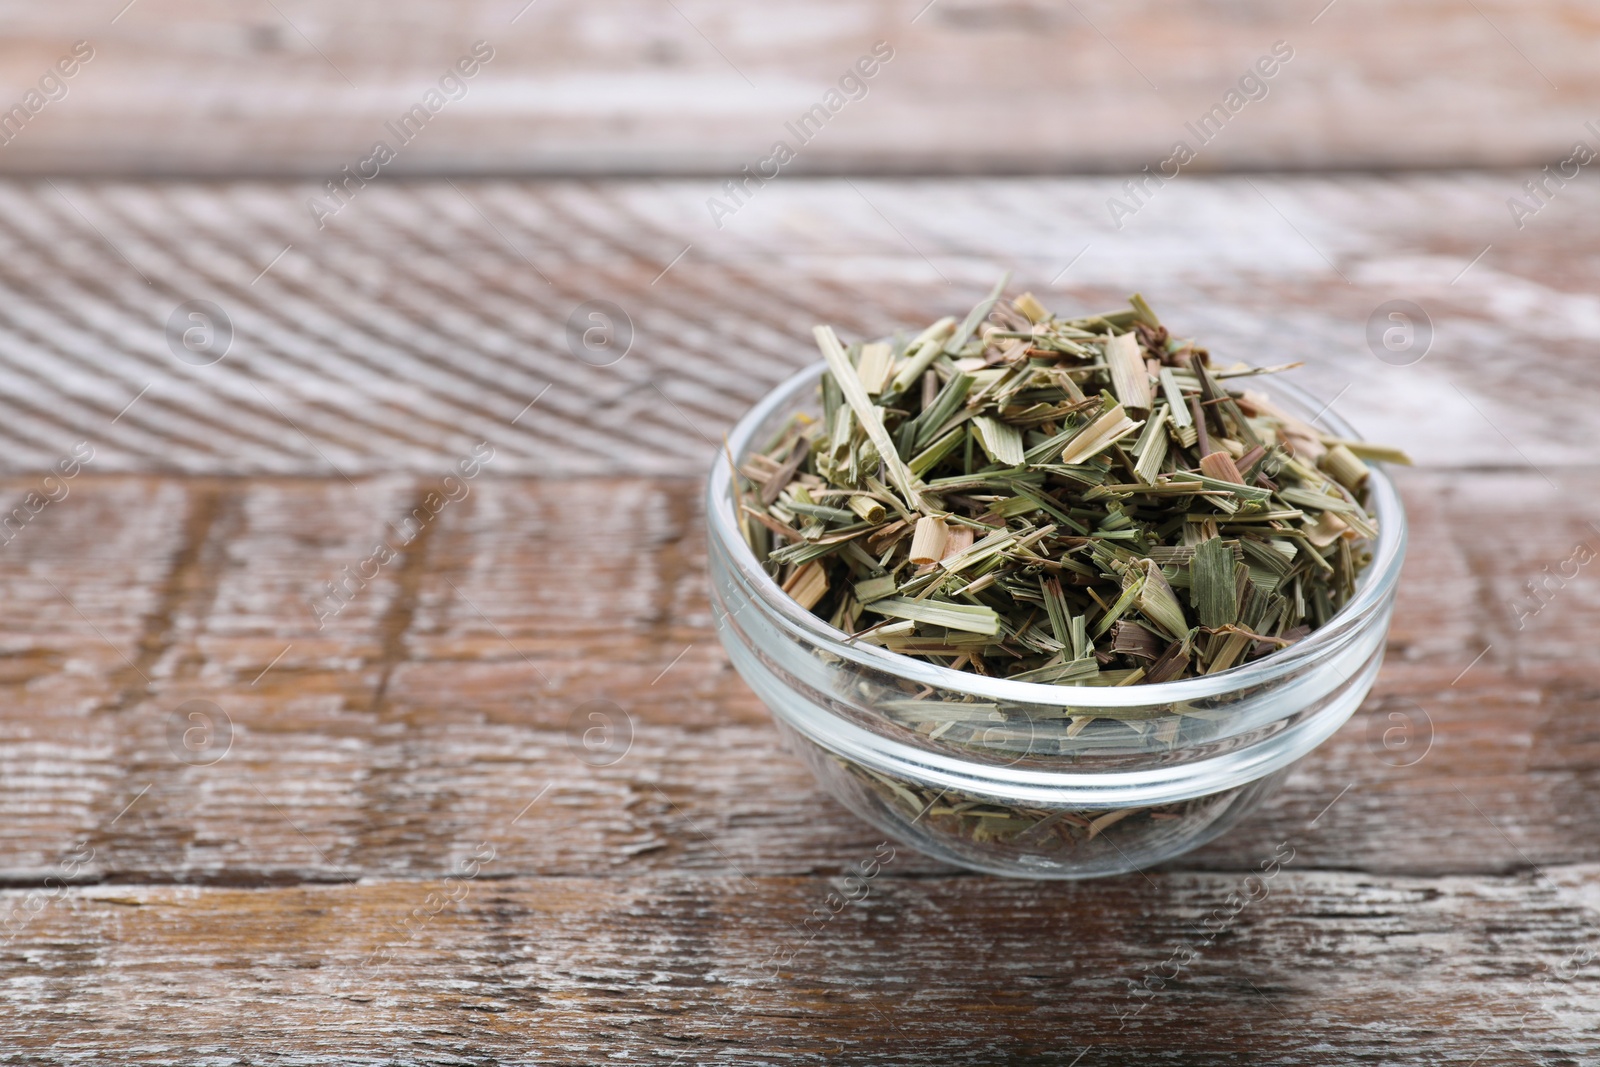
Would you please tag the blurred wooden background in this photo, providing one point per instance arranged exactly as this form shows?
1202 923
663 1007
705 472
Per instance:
694 86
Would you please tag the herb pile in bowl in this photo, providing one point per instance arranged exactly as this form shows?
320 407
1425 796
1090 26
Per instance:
1078 501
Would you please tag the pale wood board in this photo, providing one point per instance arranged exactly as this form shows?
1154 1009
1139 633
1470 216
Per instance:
707 86
426 316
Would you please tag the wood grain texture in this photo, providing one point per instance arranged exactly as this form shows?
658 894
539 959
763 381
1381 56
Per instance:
232 877
1327 968
425 317
443 697
186 87
633 907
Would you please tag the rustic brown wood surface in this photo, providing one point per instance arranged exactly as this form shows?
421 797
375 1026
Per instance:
380 843
646 86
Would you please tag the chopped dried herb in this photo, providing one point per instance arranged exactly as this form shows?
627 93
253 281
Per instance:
1079 501
1073 837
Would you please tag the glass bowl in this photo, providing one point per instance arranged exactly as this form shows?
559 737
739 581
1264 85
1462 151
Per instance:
1030 779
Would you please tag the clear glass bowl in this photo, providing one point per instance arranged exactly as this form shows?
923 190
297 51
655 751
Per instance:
1023 778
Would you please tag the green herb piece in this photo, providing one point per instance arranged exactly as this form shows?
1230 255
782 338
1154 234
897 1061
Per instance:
1143 313
1099 435
1151 449
1368 451
870 510
935 453
975 316
876 588
935 418
1000 440
928 540
1212 588
875 366
868 414
1060 672
972 618
1159 604
1029 305
921 353
1129 378
1344 467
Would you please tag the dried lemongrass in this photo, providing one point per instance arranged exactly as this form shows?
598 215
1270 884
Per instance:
969 617
929 540
808 584
1344 467
875 367
1130 380
1112 426
1220 465
1073 501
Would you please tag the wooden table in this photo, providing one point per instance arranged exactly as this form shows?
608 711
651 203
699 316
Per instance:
238 826
302 88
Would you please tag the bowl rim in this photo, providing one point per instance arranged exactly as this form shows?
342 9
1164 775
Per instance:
1373 587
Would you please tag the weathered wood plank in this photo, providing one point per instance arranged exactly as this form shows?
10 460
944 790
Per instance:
181 86
445 694
1317 968
425 318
